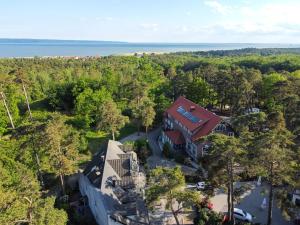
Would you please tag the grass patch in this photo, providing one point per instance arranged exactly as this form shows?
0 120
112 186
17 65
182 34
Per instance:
126 131
95 140
40 105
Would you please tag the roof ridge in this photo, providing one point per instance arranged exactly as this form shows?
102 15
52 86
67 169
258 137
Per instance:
199 120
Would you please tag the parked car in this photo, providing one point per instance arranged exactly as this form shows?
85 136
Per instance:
242 215
201 185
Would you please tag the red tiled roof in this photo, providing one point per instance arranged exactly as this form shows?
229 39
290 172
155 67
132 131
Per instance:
208 120
175 136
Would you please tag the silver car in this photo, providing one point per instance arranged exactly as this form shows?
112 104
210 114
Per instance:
242 215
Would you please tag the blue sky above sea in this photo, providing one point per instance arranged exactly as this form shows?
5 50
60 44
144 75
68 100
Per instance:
177 21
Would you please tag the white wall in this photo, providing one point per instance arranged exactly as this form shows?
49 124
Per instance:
295 196
95 201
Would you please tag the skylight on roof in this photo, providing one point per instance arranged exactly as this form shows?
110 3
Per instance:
188 115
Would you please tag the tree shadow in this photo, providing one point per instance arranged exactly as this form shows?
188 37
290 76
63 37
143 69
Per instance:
96 141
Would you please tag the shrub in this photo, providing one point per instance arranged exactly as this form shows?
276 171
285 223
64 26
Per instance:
83 144
167 150
187 161
179 158
142 149
207 217
192 179
128 146
80 122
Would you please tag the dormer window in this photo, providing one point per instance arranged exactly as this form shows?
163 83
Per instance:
221 127
205 149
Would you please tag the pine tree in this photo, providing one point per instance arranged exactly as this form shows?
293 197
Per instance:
167 183
61 143
225 154
273 157
21 79
3 81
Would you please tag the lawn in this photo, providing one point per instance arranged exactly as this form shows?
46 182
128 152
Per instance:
95 140
126 131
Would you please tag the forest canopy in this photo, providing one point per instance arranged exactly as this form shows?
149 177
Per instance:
79 92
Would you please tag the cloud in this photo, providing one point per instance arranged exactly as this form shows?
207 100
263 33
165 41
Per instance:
269 22
218 7
150 26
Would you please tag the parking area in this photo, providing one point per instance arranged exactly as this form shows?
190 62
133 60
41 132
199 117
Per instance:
251 202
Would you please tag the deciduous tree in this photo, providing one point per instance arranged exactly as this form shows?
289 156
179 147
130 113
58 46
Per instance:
110 118
143 112
148 113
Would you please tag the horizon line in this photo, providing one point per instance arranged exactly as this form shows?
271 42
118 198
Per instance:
141 42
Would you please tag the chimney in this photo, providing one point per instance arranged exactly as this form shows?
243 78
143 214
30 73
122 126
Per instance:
192 108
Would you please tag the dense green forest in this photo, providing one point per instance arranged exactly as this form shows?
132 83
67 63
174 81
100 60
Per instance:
75 104
245 51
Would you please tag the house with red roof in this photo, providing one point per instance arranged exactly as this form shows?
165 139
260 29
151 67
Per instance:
186 124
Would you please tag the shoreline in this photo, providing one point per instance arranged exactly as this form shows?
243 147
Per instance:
31 48
247 50
137 54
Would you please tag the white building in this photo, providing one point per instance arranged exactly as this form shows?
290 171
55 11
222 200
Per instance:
113 185
296 197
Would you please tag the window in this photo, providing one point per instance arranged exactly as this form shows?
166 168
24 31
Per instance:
238 214
205 149
297 201
221 127
231 134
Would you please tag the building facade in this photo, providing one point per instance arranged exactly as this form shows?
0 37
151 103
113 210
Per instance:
114 187
185 125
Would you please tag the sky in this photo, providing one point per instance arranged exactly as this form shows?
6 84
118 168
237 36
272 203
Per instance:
184 21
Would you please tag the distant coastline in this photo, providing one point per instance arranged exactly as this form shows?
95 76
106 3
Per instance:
19 48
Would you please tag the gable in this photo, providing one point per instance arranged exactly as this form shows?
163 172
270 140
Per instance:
199 121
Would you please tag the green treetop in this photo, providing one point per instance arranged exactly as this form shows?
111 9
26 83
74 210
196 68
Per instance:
110 118
169 183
